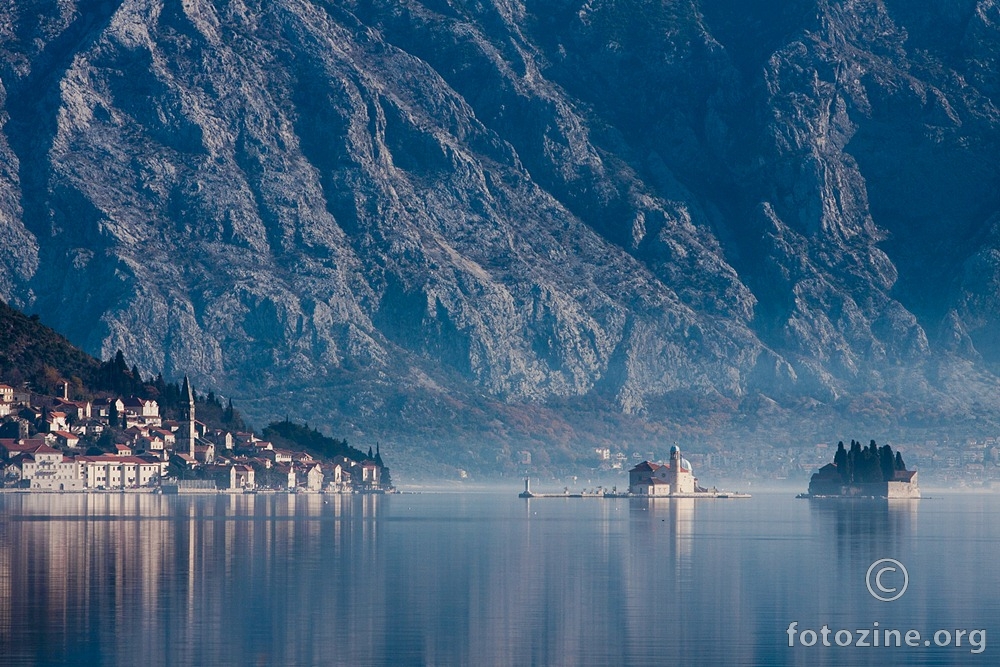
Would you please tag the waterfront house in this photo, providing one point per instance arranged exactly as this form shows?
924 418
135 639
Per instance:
334 476
241 477
286 473
314 478
369 474
109 471
12 471
45 469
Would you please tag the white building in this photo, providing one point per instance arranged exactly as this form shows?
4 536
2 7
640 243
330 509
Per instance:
46 469
102 407
141 412
314 478
658 479
56 421
118 472
67 439
76 409
336 477
241 477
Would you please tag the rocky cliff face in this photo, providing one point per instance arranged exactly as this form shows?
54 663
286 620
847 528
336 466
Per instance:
462 219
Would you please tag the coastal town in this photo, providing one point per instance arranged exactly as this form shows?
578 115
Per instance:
114 443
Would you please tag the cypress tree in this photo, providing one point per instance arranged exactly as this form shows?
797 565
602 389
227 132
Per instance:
840 460
120 365
854 464
873 469
887 463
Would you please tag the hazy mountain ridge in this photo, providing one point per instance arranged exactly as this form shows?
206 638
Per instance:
397 211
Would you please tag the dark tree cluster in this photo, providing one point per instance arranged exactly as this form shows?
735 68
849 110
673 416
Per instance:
116 377
859 465
289 435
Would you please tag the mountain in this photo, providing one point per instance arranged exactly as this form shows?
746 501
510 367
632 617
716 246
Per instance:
472 227
33 353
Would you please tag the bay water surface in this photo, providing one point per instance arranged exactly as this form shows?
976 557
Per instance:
490 579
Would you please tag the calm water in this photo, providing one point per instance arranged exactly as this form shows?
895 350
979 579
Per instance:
485 580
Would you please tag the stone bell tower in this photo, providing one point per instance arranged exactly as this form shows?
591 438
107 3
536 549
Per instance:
186 434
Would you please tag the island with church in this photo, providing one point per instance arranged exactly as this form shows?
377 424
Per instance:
864 472
674 479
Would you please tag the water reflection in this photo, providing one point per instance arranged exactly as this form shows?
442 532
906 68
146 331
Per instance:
456 579
314 579
865 528
159 580
673 518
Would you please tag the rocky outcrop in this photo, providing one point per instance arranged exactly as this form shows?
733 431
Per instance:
405 216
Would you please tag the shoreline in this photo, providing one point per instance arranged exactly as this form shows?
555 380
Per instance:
719 495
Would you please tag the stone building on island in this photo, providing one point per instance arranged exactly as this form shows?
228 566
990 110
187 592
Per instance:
864 472
663 479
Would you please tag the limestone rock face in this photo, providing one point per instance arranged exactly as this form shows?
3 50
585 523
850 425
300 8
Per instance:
435 217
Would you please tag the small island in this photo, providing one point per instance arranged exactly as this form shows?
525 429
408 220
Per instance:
864 472
650 480
674 479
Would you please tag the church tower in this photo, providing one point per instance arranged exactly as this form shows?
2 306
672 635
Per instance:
186 433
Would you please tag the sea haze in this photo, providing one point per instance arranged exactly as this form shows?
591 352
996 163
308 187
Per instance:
462 579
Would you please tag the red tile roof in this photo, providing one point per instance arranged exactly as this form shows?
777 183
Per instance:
646 465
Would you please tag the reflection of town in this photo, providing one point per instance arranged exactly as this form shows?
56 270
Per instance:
78 569
263 579
971 463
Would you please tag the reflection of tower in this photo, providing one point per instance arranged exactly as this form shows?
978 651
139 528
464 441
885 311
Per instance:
187 419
